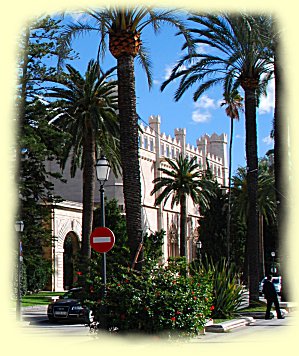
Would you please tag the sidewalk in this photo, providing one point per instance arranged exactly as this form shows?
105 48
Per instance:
249 318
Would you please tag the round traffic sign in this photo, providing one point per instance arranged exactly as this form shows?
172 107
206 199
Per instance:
102 239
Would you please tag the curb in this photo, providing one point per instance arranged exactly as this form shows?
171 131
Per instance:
229 325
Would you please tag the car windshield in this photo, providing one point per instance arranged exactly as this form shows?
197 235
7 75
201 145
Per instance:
275 280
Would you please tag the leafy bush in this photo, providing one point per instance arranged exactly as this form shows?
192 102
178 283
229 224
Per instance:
23 281
162 298
227 291
38 273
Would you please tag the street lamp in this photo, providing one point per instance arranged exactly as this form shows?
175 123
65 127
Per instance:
19 226
103 170
198 248
273 256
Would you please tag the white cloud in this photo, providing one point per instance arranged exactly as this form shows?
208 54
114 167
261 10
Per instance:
203 107
201 47
198 116
205 103
268 140
156 82
267 103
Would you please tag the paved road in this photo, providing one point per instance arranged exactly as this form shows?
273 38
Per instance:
34 321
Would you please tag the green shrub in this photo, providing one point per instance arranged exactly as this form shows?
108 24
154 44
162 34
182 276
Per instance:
23 281
227 291
38 273
162 298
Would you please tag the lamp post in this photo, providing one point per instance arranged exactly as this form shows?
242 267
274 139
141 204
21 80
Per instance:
103 171
19 226
273 256
198 248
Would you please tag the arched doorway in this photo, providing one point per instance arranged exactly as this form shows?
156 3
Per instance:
70 246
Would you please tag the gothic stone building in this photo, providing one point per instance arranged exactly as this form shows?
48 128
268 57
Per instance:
154 146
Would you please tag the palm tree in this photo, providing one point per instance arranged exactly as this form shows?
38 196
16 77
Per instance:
124 27
269 32
266 201
87 110
233 100
183 179
238 54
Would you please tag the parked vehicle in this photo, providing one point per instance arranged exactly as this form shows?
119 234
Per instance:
276 280
69 308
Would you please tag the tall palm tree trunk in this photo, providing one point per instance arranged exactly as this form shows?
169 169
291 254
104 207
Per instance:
129 152
183 226
252 185
229 188
280 169
88 193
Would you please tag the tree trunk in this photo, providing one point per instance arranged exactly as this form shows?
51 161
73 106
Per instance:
252 185
183 226
280 170
129 152
229 188
88 193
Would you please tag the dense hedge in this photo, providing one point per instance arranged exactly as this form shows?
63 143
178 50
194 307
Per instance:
162 298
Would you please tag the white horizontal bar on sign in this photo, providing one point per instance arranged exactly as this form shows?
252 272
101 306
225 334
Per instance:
102 239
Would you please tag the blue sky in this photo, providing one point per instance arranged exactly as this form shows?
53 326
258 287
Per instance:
204 116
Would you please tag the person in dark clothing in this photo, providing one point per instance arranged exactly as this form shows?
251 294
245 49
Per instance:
271 296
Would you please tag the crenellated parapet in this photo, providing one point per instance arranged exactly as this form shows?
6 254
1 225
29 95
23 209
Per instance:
156 145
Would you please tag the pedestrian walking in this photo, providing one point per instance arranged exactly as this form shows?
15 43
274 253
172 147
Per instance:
271 297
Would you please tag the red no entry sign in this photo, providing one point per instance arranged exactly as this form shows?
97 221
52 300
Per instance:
102 239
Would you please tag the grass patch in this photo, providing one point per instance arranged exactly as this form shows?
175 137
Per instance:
257 307
41 298
219 321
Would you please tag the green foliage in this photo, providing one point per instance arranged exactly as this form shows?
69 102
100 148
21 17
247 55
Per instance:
23 281
183 179
162 298
266 199
39 272
213 224
115 221
227 291
152 246
37 144
41 54
35 238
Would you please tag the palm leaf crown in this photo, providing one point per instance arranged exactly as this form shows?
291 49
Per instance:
116 20
237 53
184 177
84 102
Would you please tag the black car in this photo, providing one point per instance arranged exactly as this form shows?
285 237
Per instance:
69 308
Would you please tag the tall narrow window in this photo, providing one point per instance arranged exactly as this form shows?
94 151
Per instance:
145 142
151 145
167 151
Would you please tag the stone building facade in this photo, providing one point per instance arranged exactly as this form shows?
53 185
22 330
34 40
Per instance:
154 146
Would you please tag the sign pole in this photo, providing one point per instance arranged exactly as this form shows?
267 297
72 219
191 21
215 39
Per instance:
102 223
104 273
